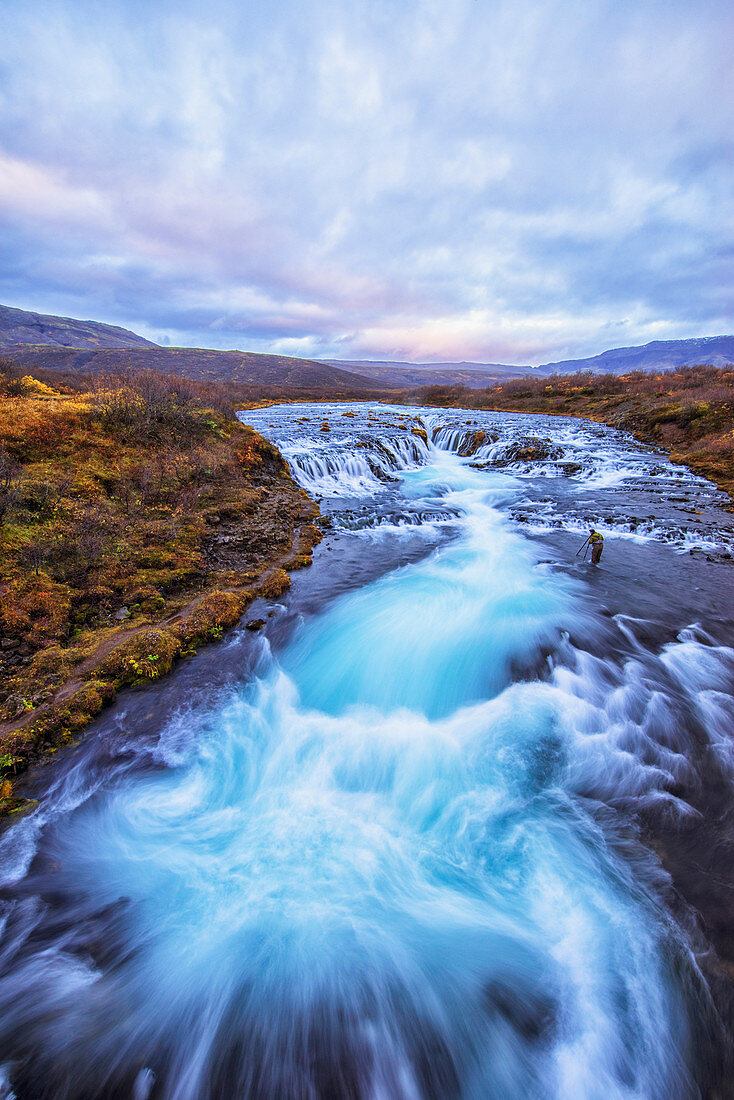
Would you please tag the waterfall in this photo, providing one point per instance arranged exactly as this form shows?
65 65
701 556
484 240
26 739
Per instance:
357 466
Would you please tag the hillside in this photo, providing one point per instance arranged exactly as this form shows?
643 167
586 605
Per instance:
715 351
136 522
254 376
19 326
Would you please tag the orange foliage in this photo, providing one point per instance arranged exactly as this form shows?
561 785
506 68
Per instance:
34 608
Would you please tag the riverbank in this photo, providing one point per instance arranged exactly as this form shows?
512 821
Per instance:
689 413
137 522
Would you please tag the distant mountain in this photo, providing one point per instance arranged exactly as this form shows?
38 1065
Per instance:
658 355
715 351
408 375
263 375
18 326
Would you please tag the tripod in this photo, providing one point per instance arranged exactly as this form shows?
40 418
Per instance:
585 548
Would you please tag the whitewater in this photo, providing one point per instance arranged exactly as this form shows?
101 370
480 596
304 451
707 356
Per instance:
453 826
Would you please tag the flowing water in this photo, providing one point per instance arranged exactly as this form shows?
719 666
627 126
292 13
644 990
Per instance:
456 824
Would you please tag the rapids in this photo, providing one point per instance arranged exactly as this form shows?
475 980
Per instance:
454 825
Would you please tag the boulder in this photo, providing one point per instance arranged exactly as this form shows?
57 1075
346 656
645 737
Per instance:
530 449
472 443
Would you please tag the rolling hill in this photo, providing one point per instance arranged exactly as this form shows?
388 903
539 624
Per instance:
18 326
716 351
35 341
252 374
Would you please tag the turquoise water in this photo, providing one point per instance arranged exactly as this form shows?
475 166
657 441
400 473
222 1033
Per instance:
443 632
376 870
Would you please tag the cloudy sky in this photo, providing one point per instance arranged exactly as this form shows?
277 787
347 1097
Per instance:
497 180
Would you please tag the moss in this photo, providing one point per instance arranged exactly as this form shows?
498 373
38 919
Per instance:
9 804
278 583
145 656
215 613
237 578
310 535
153 605
57 726
301 561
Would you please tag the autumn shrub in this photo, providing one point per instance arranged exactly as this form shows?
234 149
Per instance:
34 608
250 454
275 585
9 482
37 433
144 403
215 613
720 447
29 386
106 518
145 656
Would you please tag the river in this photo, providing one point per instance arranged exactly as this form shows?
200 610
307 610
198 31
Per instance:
455 825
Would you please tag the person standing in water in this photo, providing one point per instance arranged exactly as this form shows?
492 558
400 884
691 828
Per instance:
596 542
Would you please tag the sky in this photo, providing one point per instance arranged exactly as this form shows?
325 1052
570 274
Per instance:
422 180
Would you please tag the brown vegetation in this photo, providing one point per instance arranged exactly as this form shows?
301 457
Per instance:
137 521
689 411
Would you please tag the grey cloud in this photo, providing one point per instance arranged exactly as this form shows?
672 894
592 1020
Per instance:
367 176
